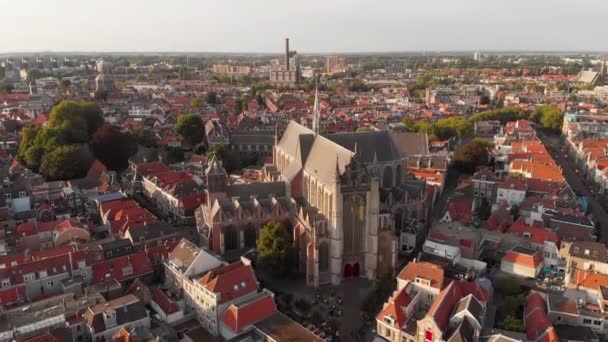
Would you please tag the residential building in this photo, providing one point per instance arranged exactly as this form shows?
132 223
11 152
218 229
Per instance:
522 262
105 319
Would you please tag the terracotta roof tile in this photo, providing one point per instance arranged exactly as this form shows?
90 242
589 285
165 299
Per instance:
230 281
424 270
239 316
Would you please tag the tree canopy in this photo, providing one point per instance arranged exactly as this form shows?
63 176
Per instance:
190 127
76 120
471 155
66 162
146 137
62 151
113 147
549 116
275 249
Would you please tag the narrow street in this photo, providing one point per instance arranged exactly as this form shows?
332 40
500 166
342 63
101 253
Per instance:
554 143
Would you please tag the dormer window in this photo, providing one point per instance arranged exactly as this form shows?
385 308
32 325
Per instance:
526 235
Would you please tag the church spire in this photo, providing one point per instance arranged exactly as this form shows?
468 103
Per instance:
316 112
276 134
337 170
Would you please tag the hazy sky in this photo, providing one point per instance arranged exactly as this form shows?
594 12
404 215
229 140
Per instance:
312 25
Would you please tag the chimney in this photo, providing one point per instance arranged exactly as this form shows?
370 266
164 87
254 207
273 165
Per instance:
286 53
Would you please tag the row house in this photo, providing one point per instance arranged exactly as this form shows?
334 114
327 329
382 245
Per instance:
41 235
426 307
106 319
37 274
176 194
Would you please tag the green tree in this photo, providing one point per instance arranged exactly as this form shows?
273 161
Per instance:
357 85
65 83
275 249
190 127
33 157
113 147
514 211
33 74
378 293
240 104
28 137
503 115
410 125
66 162
196 103
549 116
146 137
471 155
78 120
424 126
512 323
511 286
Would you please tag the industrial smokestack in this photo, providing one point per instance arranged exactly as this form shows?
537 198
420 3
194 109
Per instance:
287 53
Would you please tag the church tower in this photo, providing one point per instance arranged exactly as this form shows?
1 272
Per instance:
217 180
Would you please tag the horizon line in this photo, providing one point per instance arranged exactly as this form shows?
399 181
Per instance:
435 51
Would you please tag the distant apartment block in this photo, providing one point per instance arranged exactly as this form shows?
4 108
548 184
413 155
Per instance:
229 69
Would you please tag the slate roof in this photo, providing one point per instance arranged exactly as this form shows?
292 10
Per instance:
261 190
367 145
323 157
292 139
590 250
128 309
411 143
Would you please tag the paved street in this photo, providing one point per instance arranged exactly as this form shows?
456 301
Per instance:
554 144
352 291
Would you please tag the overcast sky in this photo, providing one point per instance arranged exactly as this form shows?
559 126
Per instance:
312 25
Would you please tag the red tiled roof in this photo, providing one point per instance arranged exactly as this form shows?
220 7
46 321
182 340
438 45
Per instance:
111 207
152 168
45 337
538 234
118 268
444 305
165 303
239 317
96 169
396 309
12 295
230 281
588 280
193 201
460 210
523 259
536 321
424 270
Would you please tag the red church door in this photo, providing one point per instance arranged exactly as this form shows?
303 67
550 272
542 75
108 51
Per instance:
356 269
348 271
